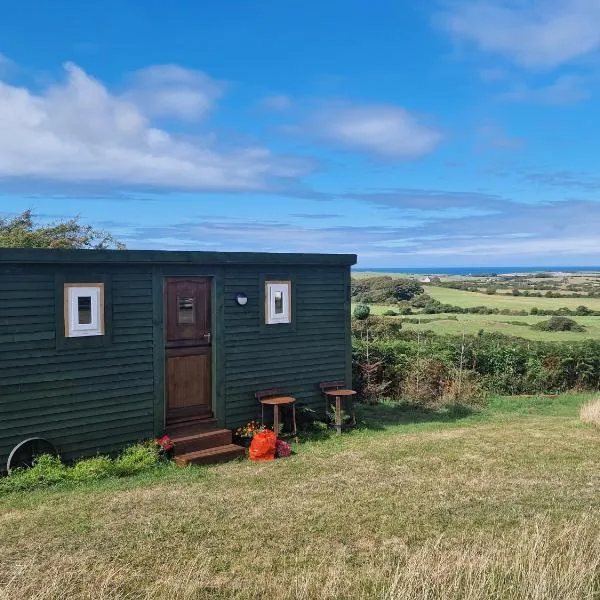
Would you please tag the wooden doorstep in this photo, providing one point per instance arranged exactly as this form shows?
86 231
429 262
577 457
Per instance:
211 455
202 441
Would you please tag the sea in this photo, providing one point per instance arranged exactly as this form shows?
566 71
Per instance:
477 270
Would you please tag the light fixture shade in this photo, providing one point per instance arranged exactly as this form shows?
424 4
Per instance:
241 299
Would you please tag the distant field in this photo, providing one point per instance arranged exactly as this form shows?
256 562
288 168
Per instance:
471 324
505 324
467 299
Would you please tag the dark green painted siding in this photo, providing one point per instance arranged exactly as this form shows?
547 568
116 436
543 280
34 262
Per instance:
258 356
81 398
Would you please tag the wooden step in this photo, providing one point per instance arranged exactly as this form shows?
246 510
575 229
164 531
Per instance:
211 455
190 427
202 441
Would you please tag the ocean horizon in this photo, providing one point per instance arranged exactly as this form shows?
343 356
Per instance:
476 270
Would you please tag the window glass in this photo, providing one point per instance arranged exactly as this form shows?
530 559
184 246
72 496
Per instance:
186 313
84 310
278 302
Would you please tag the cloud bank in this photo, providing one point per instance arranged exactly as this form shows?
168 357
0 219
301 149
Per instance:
78 131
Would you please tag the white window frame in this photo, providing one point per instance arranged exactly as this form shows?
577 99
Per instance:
271 288
74 291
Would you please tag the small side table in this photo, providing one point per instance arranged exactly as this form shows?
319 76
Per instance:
276 402
338 395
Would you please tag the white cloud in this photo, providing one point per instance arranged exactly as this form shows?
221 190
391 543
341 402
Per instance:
279 102
541 246
171 91
567 89
383 130
533 33
77 131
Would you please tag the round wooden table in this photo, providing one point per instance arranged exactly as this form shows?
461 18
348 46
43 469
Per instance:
276 402
338 395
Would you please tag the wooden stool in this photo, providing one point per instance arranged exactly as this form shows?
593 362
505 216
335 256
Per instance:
335 389
274 398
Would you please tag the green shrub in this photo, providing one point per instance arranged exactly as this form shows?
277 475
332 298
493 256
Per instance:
91 469
46 470
49 470
503 365
559 324
135 459
390 313
376 327
362 311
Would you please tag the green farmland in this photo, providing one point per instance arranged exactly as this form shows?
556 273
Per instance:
507 325
511 325
467 299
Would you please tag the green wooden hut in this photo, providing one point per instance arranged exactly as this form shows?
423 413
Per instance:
99 349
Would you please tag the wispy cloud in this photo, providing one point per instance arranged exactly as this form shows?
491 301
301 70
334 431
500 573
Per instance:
172 91
537 34
514 232
566 89
383 130
78 131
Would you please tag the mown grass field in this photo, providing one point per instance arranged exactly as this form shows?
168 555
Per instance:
499 504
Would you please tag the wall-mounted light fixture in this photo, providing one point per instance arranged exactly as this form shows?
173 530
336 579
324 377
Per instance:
241 299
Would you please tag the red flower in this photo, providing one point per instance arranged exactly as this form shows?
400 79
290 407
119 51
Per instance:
165 442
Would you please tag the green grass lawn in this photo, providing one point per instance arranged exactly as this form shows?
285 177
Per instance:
467 299
498 504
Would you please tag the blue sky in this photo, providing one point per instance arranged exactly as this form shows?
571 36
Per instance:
445 133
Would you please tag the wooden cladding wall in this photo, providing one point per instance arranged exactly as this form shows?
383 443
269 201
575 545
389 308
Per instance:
83 398
316 348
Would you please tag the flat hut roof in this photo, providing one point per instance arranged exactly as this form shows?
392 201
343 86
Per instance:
58 256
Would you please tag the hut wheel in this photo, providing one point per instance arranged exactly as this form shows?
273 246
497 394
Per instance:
25 452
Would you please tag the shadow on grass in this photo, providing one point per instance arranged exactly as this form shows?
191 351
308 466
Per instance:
388 414
380 416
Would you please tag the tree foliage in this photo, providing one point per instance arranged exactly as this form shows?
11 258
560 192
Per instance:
23 231
384 289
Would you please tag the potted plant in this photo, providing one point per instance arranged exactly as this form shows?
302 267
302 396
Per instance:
282 449
244 434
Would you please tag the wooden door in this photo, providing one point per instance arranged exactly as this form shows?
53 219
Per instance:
188 348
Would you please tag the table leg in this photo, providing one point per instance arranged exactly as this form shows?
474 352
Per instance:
276 419
338 414
294 419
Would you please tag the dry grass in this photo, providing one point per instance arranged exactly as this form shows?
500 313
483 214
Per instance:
590 412
499 507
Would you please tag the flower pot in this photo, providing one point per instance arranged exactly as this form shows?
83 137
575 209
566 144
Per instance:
243 441
166 454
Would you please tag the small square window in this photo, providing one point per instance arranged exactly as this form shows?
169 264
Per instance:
278 302
84 309
186 310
